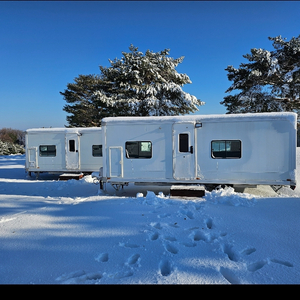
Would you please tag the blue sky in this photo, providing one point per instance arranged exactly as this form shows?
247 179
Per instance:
45 45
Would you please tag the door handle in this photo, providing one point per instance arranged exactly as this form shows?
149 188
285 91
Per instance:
192 149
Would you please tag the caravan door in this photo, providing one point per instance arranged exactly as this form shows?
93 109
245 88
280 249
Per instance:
184 162
115 156
32 158
72 151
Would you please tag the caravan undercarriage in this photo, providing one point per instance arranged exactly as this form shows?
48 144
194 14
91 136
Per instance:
194 190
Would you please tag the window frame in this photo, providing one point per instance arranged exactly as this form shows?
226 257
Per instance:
94 151
225 151
139 153
47 153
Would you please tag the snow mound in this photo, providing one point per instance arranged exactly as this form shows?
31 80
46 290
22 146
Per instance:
230 197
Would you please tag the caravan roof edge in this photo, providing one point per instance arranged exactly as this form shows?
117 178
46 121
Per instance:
62 129
292 117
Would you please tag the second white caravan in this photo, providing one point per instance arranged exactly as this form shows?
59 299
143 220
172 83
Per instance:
63 150
238 149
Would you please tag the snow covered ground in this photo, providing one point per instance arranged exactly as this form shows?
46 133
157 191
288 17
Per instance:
67 232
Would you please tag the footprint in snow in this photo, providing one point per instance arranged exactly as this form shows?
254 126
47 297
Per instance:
209 223
102 257
171 248
133 259
252 267
281 262
232 255
156 225
261 263
229 276
199 235
257 265
79 277
248 251
165 267
154 236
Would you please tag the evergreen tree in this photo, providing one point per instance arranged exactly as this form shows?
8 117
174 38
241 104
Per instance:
147 84
270 81
84 108
135 85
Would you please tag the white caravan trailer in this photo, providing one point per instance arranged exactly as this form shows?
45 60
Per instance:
238 149
63 150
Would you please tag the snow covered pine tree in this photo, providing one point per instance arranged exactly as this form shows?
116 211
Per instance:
269 82
85 110
135 85
142 85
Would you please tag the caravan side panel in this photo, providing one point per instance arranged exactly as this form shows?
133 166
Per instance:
90 151
267 152
64 150
45 151
146 151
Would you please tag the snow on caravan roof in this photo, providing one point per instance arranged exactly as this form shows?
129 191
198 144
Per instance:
292 117
63 129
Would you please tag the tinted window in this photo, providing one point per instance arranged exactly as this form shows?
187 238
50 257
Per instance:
138 149
226 149
47 150
97 150
183 142
72 145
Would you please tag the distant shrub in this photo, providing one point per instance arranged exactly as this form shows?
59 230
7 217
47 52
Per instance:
13 136
7 148
12 141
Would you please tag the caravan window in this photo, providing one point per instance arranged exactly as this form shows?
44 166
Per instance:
97 150
72 145
48 150
183 142
138 149
226 149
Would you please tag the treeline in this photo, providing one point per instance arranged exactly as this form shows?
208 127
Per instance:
12 141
